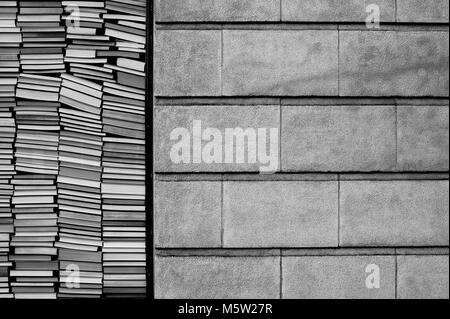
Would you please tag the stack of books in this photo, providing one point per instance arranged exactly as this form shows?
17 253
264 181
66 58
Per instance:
43 37
37 124
87 48
10 39
123 177
34 197
123 193
35 229
126 24
7 87
7 171
79 188
72 149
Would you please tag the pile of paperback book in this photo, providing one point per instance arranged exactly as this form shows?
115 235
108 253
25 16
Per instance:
34 197
43 37
88 47
123 178
7 132
79 185
72 149
10 39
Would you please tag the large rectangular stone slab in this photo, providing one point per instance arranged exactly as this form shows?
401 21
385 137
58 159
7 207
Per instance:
394 213
338 277
423 277
280 214
280 62
187 62
188 214
217 10
254 117
338 138
392 63
423 135
335 10
217 277
429 11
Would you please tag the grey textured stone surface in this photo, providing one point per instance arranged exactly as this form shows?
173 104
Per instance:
335 10
394 213
219 252
167 118
423 135
338 277
281 177
393 176
187 62
422 251
363 146
288 62
188 214
217 277
338 138
280 214
423 277
390 63
337 251
430 11
217 10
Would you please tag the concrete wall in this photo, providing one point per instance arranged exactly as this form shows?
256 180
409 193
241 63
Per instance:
362 119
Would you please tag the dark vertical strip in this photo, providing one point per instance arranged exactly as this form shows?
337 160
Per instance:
280 136
149 152
396 274
281 10
338 60
396 135
281 274
222 229
339 211
395 11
